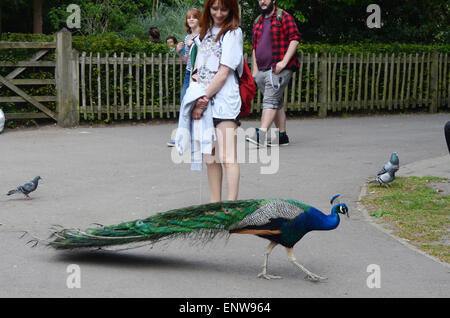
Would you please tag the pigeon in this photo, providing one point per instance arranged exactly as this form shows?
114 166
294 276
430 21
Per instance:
392 165
26 188
384 178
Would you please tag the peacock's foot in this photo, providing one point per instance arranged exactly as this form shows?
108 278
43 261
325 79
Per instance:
268 277
315 278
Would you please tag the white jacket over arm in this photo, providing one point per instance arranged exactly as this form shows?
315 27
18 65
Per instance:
194 135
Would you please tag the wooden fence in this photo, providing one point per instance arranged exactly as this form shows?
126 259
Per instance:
116 87
119 87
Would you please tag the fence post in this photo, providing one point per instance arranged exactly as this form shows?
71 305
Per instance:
434 82
323 86
67 106
76 84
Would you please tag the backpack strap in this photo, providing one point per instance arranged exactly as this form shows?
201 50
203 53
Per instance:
257 18
193 54
280 15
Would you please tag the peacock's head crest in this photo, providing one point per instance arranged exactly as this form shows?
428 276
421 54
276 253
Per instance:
335 198
339 207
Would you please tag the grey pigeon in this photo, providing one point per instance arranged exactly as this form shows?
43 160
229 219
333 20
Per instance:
392 165
385 178
26 188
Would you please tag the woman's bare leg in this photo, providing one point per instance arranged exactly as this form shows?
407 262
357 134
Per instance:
214 169
227 146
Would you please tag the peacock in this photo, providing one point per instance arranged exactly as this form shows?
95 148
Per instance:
280 221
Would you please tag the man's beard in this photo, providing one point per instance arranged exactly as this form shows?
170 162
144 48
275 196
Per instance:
268 10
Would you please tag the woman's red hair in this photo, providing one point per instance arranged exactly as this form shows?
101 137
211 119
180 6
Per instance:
192 13
231 23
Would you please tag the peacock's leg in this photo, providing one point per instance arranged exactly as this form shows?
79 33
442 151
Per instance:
266 258
309 274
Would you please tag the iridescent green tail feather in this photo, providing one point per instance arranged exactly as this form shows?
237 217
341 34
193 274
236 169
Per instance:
207 218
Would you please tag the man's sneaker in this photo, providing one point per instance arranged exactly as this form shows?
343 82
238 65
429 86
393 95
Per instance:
171 143
284 139
281 139
259 138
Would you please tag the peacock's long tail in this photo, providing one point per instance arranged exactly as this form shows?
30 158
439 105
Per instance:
210 218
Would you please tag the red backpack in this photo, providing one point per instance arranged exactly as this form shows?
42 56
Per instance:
247 90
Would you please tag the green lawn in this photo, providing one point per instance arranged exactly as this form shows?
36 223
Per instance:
415 211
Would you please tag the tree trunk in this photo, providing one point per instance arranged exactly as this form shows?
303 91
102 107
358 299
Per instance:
1 4
37 16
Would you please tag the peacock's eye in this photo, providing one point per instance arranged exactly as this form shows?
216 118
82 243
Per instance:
341 208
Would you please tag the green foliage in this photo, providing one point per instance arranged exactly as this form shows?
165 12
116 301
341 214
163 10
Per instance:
26 37
344 21
169 20
112 43
100 16
331 21
249 11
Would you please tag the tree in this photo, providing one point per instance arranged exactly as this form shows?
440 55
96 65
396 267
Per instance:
100 16
344 21
37 16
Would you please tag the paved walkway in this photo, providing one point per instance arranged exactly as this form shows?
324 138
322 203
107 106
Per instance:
114 174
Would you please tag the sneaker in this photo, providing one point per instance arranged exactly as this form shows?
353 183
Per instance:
259 138
171 143
281 140
284 139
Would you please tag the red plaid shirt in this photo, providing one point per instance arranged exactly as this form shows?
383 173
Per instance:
282 34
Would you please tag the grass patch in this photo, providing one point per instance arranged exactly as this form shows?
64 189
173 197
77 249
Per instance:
415 212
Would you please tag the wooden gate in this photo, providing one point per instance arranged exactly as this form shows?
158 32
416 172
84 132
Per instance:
65 80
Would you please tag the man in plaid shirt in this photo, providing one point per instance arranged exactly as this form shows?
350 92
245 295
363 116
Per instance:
274 44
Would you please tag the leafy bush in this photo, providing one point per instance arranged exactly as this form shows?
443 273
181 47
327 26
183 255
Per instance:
168 19
112 43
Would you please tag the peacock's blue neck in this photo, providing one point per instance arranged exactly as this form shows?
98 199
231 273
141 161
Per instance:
317 220
312 220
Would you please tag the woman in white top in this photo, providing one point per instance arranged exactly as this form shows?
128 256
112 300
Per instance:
219 57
